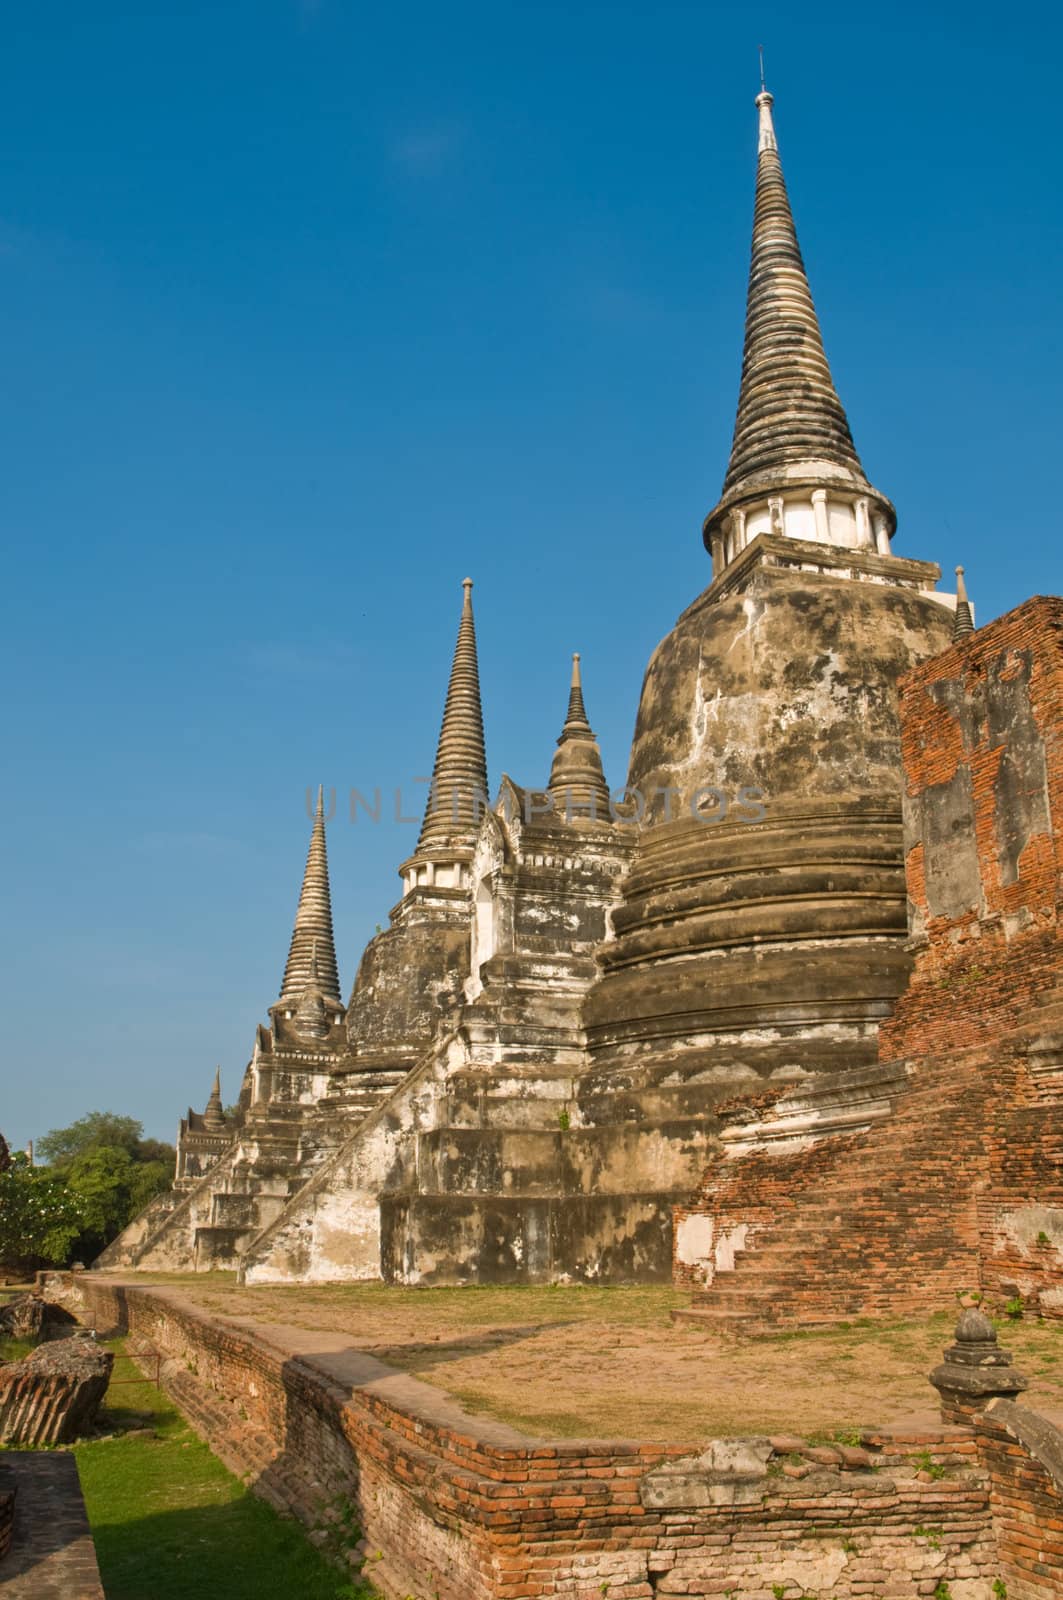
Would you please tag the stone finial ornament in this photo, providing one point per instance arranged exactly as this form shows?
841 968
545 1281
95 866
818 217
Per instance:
312 934
214 1114
964 623
577 783
459 776
975 1369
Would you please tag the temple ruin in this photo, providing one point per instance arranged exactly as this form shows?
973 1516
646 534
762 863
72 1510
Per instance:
608 1040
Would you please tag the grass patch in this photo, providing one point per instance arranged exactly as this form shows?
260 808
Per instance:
170 1521
15 1349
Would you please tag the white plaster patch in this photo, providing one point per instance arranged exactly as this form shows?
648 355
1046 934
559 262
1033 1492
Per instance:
728 1245
693 1240
1024 1226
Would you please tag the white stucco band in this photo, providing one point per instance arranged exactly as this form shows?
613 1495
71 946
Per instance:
819 516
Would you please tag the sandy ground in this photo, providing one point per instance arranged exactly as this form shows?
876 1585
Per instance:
571 1362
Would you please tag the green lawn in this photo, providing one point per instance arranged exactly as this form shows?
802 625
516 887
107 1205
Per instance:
170 1522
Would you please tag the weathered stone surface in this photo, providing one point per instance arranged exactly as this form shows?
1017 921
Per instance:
730 1472
786 916
975 1369
22 1317
52 1395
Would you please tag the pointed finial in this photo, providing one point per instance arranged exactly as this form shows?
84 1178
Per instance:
765 100
790 425
214 1114
459 777
577 784
964 623
313 920
577 714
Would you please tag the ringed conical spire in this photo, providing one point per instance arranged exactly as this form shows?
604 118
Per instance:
577 782
964 623
214 1114
793 467
312 954
458 794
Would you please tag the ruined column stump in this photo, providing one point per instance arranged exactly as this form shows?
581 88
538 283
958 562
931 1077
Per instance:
52 1395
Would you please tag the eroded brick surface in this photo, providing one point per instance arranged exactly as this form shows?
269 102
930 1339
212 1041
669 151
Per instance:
962 1184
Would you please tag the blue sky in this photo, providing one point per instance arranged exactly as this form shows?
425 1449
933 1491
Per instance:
310 308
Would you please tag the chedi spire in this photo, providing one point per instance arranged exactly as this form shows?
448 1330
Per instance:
312 954
964 623
214 1113
458 794
577 783
794 469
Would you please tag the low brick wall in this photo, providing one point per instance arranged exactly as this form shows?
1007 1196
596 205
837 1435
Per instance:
1024 1456
465 1508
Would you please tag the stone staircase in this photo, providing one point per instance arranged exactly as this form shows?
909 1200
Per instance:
887 1221
834 1232
284 1145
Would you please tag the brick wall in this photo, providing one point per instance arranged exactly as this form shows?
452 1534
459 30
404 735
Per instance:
963 1184
1024 1458
982 745
467 1509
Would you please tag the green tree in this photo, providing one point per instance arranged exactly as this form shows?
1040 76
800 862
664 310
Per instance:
111 1189
111 1172
100 1130
40 1218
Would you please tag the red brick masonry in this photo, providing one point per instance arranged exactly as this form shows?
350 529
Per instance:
963 1184
466 1509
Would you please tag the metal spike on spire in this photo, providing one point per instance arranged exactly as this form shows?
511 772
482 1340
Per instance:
459 777
312 938
964 623
577 782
